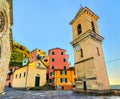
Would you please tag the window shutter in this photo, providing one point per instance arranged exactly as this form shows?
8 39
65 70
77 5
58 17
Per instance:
65 72
60 79
65 79
61 72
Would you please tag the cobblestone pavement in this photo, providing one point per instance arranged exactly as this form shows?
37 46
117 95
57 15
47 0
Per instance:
17 94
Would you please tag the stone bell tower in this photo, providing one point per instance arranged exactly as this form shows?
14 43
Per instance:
5 39
90 68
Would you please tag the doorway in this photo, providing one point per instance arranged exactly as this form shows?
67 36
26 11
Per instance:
9 85
37 81
84 85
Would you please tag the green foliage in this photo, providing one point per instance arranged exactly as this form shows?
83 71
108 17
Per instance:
15 64
22 49
18 54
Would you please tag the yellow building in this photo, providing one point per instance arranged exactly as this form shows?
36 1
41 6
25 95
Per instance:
64 78
33 75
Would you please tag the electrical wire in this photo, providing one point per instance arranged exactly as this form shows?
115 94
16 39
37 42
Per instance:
117 59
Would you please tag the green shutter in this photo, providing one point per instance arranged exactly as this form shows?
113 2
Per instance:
65 79
60 79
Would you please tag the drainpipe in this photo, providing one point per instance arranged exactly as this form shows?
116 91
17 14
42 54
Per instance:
26 76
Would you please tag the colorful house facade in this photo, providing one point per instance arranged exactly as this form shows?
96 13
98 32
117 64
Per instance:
10 76
64 78
11 70
36 54
58 59
33 75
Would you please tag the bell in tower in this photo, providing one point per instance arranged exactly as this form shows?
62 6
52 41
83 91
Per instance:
90 67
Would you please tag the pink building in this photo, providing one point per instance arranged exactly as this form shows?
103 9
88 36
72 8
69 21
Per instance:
58 59
10 75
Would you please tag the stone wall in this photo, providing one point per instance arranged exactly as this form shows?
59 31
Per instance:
5 43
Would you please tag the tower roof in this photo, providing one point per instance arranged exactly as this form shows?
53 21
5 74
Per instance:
83 10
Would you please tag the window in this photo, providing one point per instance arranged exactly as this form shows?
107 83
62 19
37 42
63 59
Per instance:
81 51
98 51
38 64
63 72
79 29
16 76
53 67
20 75
51 80
64 60
63 80
24 74
24 61
65 67
51 73
38 57
93 26
45 60
62 53
53 59
53 53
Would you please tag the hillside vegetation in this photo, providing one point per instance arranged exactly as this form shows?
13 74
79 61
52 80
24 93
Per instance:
18 54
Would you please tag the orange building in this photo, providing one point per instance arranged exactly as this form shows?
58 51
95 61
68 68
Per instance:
64 78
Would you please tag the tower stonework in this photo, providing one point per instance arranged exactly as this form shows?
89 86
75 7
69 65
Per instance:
90 68
5 39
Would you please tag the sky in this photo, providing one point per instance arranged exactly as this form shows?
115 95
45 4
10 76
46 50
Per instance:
44 24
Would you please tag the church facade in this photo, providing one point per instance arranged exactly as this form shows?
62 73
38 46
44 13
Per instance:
90 68
5 39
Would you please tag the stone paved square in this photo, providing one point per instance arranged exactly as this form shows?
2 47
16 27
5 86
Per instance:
18 94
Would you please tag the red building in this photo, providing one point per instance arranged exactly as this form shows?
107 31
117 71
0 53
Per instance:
58 59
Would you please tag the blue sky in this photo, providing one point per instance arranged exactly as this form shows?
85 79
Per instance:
44 24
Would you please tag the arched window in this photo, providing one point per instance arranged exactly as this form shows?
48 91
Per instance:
79 29
93 26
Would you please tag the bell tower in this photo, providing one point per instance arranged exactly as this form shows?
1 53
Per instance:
90 68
